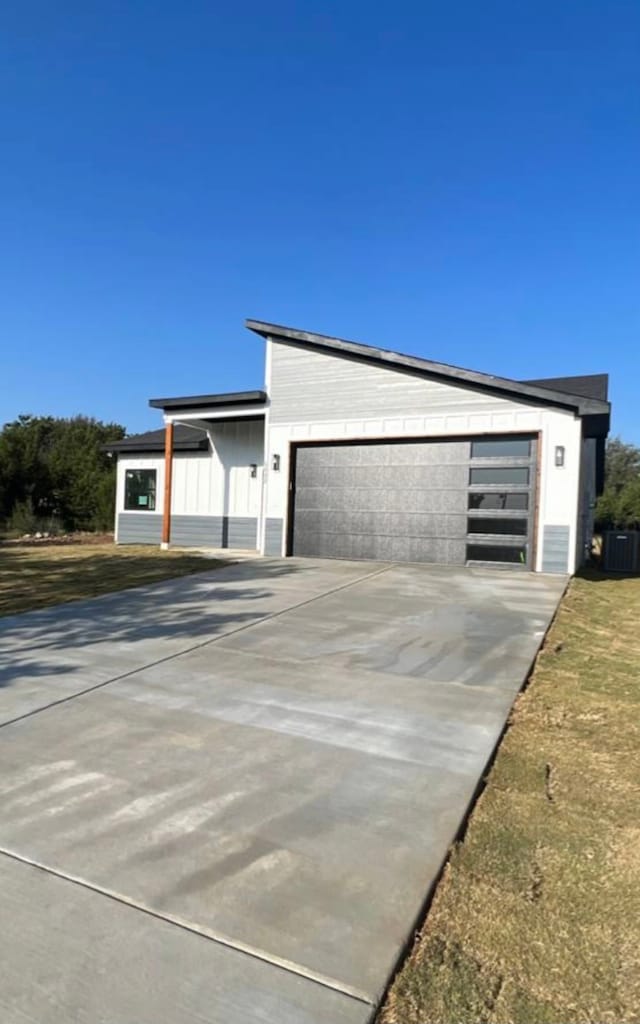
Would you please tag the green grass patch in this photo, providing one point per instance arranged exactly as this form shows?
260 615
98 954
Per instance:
537 917
35 576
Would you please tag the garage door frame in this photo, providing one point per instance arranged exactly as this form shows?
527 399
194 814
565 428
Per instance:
294 446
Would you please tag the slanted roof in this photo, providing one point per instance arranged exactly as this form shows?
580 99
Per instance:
185 439
533 392
232 400
593 385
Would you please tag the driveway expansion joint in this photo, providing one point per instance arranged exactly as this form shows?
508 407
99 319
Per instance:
195 647
205 933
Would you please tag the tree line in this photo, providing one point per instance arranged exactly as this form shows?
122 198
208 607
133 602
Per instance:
55 475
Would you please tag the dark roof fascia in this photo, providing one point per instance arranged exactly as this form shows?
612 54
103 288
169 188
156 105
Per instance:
156 446
134 449
232 399
186 439
596 428
427 368
596 425
250 417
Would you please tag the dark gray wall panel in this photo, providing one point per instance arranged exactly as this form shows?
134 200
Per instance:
555 549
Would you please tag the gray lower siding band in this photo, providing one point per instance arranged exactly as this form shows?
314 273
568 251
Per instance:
555 549
273 537
139 528
238 532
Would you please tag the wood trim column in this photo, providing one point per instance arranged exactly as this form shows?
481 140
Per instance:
168 471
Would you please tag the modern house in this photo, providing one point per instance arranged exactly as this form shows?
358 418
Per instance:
351 451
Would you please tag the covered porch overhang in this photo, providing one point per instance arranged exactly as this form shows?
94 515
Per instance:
202 412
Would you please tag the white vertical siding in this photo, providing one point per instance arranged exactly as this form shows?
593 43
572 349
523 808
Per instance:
236 447
192 483
217 482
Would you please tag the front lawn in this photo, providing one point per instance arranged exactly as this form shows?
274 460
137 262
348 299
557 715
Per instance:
34 576
537 917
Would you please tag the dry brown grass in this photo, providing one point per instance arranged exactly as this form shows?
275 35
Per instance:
537 917
37 576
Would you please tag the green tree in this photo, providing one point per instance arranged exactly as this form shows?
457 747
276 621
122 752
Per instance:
622 463
619 505
55 471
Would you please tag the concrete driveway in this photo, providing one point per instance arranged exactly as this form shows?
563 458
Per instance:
224 798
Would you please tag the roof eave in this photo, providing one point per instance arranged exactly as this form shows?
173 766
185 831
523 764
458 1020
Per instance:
232 400
156 446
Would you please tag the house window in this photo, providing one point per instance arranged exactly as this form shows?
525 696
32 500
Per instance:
140 490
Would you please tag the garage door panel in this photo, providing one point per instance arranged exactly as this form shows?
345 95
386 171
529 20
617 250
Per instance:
407 501
345 545
382 548
381 500
387 476
436 549
436 453
389 524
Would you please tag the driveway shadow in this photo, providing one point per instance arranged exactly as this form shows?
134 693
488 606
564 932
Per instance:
191 608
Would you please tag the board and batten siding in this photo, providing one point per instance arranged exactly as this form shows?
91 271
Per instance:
236 447
318 395
215 499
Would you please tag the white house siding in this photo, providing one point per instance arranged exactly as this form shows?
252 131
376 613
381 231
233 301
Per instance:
236 447
215 500
138 527
321 396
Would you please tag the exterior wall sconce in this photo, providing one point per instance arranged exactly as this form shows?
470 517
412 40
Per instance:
559 455
276 463
254 470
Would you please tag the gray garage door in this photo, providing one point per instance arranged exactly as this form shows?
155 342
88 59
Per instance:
449 502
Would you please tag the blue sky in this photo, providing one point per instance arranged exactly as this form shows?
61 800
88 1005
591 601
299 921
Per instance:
454 180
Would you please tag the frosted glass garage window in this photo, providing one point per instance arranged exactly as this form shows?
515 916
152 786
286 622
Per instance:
501 448
499 475
140 490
